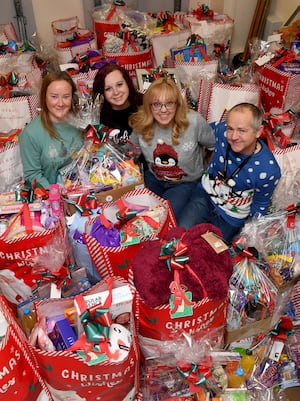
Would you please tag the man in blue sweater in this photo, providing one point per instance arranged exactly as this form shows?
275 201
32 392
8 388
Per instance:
240 179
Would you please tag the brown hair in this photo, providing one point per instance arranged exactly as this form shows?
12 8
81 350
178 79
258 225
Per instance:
48 79
135 98
143 121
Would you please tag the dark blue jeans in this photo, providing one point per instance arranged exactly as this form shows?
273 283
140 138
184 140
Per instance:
177 194
201 209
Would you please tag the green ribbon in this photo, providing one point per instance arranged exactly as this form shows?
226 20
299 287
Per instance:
95 331
171 254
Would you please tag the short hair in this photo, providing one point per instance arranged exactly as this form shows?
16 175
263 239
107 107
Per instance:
53 76
256 113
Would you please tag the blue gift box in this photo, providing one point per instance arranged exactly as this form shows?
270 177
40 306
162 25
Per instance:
188 53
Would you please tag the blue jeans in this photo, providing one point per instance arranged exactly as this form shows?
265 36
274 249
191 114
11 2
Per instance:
177 194
201 209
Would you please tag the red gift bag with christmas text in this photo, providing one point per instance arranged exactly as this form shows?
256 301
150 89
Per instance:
132 59
279 89
182 283
27 250
79 375
115 261
20 379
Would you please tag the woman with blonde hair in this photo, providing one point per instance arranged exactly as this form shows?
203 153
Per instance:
172 138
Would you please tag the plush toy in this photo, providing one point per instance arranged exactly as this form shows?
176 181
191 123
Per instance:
152 275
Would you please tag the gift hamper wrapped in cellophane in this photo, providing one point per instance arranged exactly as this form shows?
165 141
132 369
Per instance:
100 166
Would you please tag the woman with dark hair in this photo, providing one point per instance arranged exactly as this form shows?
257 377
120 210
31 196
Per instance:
48 142
120 99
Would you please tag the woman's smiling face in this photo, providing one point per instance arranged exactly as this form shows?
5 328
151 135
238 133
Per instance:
164 109
116 91
59 100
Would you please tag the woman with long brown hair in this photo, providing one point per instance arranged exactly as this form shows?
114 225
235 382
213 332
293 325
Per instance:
48 142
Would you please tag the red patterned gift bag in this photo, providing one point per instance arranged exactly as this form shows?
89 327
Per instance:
130 56
106 21
20 379
279 89
7 31
182 283
215 98
25 252
64 29
16 112
81 372
115 260
11 170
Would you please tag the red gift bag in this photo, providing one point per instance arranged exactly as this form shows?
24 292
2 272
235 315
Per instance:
215 98
182 283
105 25
20 379
25 250
64 29
68 374
115 261
279 89
16 112
132 60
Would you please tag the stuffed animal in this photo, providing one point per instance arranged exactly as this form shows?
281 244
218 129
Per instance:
152 276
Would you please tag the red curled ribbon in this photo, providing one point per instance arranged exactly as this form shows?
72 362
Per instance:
196 374
283 56
96 321
86 203
60 277
272 128
174 253
282 329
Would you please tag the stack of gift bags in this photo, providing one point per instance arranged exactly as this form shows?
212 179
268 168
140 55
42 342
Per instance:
103 296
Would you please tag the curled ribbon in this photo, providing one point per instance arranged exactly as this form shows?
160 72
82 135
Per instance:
31 191
282 329
86 203
195 374
59 277
284 56
203 12
173 252
7 82
242 252
97 134
272 128
96 320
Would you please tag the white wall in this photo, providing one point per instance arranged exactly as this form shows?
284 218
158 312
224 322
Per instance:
40 13
283 9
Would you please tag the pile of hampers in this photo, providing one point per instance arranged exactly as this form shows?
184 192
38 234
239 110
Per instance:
102 296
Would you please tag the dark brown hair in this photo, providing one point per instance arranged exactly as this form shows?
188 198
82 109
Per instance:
48 79
135 98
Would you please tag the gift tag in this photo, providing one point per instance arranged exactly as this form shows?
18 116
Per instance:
181 305
215 242
276 350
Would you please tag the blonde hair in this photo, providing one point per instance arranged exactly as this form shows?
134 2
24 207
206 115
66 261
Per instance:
143 121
